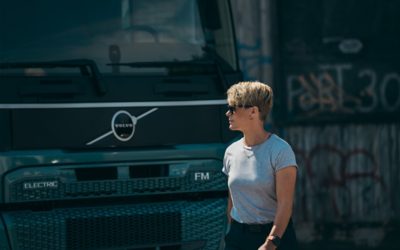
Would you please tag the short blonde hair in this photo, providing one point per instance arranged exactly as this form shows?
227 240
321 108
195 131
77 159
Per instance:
255 94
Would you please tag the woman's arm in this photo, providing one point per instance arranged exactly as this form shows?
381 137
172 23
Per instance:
285 187
229 208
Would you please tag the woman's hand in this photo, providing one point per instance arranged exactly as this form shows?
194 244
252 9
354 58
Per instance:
268 245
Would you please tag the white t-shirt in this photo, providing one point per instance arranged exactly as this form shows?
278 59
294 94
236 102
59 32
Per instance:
251 178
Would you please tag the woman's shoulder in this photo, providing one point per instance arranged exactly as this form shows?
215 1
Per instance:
279 143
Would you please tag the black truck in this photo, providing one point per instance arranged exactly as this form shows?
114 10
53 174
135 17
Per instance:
112 123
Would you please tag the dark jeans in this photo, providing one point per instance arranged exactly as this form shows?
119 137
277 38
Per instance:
251 237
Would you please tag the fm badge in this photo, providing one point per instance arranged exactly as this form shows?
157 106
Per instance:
123 126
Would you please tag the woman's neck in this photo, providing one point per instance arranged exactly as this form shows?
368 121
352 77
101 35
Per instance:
255 137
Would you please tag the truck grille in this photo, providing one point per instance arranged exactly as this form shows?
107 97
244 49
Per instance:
113 188
120 230
118 227
81 182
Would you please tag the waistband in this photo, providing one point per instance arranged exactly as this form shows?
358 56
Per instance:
256 228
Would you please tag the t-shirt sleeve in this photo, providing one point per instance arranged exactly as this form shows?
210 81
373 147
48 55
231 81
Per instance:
285 158
225 166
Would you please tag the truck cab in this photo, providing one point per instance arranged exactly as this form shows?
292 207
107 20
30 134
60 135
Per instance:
112 123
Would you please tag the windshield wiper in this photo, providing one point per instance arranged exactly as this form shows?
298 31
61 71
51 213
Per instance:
215 61
87 68
161 64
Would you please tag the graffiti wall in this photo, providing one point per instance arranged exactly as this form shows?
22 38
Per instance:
341 92
340 113
349 176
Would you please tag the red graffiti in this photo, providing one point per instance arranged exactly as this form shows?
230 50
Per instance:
328 174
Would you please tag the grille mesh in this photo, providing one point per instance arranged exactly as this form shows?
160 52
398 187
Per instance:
3 239
112 188
95 233
118 227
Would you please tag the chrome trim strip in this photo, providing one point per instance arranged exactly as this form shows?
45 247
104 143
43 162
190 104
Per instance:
110 104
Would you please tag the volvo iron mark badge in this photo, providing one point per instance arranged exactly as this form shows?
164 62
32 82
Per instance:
123 126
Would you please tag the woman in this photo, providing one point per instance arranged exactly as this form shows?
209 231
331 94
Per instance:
261 169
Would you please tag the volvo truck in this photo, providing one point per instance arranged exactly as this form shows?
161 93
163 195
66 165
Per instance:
112 123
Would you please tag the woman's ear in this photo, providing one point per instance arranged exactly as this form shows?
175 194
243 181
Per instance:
253 113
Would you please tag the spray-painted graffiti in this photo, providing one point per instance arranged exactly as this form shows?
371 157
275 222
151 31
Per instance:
251 60
253 27
348 182
339 185
342 89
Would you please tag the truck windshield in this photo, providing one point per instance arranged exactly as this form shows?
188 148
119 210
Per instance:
116 32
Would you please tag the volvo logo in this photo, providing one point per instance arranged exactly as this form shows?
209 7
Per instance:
123 126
